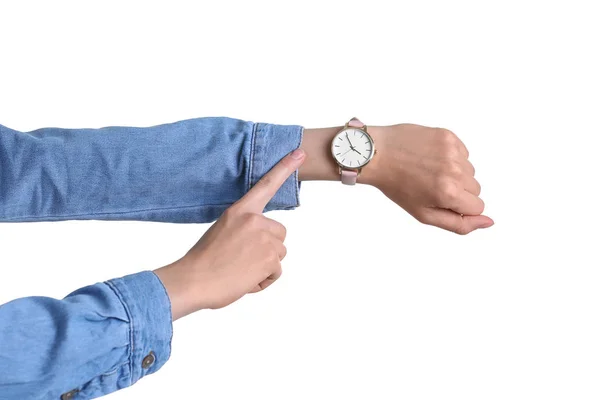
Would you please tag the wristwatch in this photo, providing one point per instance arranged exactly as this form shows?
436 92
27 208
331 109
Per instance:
352 148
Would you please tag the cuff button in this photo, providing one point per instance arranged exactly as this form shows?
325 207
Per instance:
149 360
70 395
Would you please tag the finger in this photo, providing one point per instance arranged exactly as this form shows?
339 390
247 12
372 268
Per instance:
281 250
451 221
276 229
267 282
466 203
462 148
257 198
467 167
472 186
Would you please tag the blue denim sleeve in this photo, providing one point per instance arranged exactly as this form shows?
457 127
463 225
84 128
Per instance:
183 172
97 340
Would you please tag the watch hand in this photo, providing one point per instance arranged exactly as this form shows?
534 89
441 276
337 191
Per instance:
356 151
346 152
351 147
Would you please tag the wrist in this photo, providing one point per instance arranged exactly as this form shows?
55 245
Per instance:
320 164
175 279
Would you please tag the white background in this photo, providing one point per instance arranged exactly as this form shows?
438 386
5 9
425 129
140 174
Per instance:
404 311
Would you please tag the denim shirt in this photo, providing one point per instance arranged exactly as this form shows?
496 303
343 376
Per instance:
107 336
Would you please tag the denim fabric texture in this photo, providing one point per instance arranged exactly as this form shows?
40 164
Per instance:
93 341
187 171
107 336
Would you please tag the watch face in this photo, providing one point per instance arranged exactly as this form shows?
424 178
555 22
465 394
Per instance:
352 148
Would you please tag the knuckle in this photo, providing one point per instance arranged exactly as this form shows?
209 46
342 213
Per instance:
447 191
450 151
451 167
462 229
446 137
264 238
273 259
287 162
471 167
231 211
253 220
455 169
481 207
421 216
283 230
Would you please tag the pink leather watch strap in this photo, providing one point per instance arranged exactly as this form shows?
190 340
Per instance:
349 177
355 123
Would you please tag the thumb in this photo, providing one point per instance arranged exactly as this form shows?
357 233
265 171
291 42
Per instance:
259 195
454 222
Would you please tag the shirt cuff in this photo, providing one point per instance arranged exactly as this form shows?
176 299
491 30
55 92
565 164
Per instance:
270 143
150 322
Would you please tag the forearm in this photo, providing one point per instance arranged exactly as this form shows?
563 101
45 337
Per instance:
94 341
187 171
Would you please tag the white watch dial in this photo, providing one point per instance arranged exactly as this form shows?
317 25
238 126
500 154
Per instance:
352 148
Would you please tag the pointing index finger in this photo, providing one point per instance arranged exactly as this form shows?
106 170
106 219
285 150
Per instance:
263 191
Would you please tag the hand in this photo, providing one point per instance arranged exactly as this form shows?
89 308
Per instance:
241 253
424 170
427 172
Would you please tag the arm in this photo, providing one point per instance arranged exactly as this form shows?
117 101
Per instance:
187 171
191 171
94 341
424 170
107 336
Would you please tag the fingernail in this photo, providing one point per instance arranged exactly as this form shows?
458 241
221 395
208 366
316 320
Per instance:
486 225
297 154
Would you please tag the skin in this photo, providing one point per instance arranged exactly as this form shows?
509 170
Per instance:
424 170
241 253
